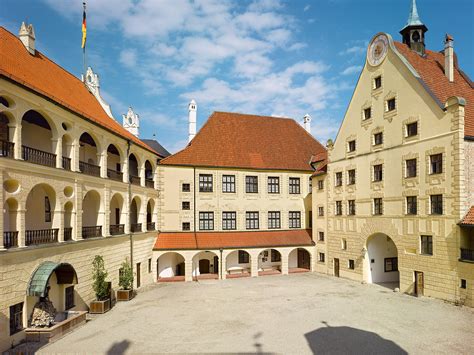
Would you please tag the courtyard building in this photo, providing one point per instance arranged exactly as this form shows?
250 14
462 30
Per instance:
75 184
236 201
397 195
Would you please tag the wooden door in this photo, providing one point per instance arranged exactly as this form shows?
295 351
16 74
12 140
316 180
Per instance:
336 267
419 283
117 216
204 266
138 275
216 265
303 259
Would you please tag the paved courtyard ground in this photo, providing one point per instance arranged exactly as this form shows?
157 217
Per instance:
295 314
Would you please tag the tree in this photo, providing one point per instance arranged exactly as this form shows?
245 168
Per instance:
126 275
99 274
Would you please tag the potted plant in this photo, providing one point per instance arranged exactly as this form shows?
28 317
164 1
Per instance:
100 286
125 293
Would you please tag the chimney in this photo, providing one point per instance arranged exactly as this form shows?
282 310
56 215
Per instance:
27 37
307 123
192 120
449 58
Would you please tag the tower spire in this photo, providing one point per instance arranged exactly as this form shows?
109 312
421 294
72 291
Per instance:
414 18
413 33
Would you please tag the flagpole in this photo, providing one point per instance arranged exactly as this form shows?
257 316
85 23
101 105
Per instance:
84 44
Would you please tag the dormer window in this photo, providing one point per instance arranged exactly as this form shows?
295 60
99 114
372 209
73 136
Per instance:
377 82
351 146
367 113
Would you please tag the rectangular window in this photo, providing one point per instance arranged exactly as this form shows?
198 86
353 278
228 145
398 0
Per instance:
378 138
367 113
338 208
310 184
378 82
343 244
391 105
411 168
205 183
390 264
321 257
295 219
69 297
351 264
275 256
244 257
411 205
351 146
47 209
273 185
351 177
274 220
251 184
320 184
378 206
294 185
310 219
436 162
426 245
206 221
378 172
436 204
351 207
251 220
149 265
338 181
229 220
186 226
16 318
228 183
412 129
320 211
186 205
321 236
186 187
463 284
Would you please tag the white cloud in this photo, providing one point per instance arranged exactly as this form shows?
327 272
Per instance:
128 57
352 70
306 8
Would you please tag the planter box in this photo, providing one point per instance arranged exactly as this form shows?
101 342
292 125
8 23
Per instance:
124 295
72 320
99 307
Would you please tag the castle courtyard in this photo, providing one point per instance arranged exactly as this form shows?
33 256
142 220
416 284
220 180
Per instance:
295 314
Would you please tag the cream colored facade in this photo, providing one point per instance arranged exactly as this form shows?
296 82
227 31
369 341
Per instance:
368 239
55 212
172 216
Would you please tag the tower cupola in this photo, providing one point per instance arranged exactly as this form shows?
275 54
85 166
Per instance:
413 34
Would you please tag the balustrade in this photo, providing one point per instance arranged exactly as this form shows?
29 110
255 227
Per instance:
6 149
89 169
136 227
116 229
41 236
10 239
91 232
39 157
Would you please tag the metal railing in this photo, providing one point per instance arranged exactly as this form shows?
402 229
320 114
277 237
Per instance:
89 169
136 227
116 229
41 236
114 175
10 239
91 232
66 163
135 180
150 226
39 157
149 183
467 254
67 233
6 149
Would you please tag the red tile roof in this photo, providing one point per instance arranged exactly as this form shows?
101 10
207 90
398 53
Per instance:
42 75
431 70
248 141
228 240
468 219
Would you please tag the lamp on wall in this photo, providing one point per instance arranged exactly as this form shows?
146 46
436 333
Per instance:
363 251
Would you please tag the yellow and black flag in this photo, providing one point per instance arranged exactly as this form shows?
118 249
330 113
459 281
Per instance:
84 28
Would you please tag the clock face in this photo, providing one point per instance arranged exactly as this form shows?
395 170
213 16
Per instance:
377 50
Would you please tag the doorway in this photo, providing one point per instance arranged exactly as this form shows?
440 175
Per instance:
216 265
419 283
336 267
204 266
303 259
138 275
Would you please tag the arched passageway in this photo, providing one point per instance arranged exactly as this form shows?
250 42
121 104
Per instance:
114 163
133 169
381 261
150 220
299 260
88 155
69 220
269 262
117 216
10 222
36 135
91 218
136 225
238 264
149 175
170 267
206 265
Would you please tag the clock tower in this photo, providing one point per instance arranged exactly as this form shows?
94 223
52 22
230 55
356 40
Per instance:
413 34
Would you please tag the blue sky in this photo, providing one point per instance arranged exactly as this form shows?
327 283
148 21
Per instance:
283 58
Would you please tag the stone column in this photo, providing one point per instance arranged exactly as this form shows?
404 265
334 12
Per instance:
21 222
75 155
126 207
102 160
188 269
141 173
284 261
254 264
142 215
125 170
57 144
77 227
59 223
106 225
17 140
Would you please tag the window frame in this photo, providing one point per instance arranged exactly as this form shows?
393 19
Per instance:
68 303
391 104
294 219
47 210
377 206
185 205
206 183
320 211
378 172
320 185
251 183
338 208
409 169
409 129
338 179
436 207
426 245
184 224
294 186
185 187
376 142
273 221
229 217
351 146
412 205
273 184
369 115
393 261
275 256
228 187
321 257
351 264
377 82
351 207
16 318
252 220
206 220
321 236
243 257
351 177
436 165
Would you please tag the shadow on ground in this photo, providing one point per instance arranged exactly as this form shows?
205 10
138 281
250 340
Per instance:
119 348
347 340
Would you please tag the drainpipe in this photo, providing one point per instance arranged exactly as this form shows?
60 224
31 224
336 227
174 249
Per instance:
220 259
129 187
194 219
